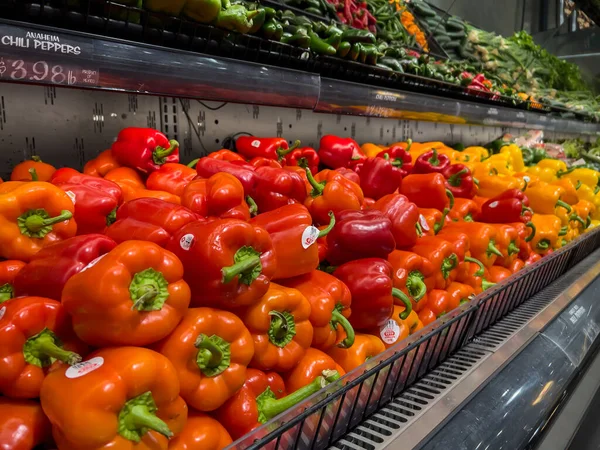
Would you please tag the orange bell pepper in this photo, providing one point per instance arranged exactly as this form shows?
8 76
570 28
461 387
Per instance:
8 271
371 150
32 216
32 170
508 242
171 177
435 220
313 363
133 295
582 208
544 197
547 230
396 329
120 398
426 316
331 191
464 210
517 265
133 187
570 193
471 274
329 300
412 273
493 185
101 164
35 332
201 432
439 302
23 425
441 254
365 346
210 350
161 195
280 327
483 240
459 293
497 273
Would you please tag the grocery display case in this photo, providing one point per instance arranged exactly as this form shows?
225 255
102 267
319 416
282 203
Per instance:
490 373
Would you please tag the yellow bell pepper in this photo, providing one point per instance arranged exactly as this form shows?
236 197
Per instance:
471 154
544 198
371 150
516 156
584 209
529 180
543 173
490 168
493 185
593 224
586 176
502 163
555 164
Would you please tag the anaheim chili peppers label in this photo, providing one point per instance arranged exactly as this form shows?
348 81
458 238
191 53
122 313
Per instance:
423 222
255 143
93 263
84 367
309 236
186 241
72 196
390 332
2 312
493 204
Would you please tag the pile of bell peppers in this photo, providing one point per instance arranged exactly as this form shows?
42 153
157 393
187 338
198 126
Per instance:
153 304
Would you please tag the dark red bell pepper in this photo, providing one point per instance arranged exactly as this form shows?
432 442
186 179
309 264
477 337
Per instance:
350 174
360 234
50 268
460 181
149 219
373 292
336 152
144 149
277 187
271 147
307 154
246 173
378 177
431 162
404 216
95 199
399 158
510 206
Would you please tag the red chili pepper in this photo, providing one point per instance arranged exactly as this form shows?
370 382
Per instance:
246 174
399 158
50 268
431 162
460 181
144 149
272 148
277 187
95 199
307 154
378 177
336 152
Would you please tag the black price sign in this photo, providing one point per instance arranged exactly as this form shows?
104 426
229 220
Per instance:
23 70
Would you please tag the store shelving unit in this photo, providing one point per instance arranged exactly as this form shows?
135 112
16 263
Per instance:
384 402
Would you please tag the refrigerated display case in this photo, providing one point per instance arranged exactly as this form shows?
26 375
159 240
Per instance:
491 373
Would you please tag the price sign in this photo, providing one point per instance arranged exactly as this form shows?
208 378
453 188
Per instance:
25 70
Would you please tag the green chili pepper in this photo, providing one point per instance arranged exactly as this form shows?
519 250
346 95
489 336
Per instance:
258 21
272 29
236 18
203 11
319 46
353 35
298 39
343 49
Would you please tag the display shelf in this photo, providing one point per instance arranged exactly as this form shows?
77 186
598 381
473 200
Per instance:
49 56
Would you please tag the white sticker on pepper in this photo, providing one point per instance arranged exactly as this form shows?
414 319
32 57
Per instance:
423 222
84 367
2 312
186 241
493 204
255 143
72 196
309 236
390 332
93 263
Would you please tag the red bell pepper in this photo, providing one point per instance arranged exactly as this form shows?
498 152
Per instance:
308 154
428 191
271 147
50 268
246 174
222 155
526 232
227 262
95 199
498 274
399 157
404 216
221 195
460 181
144 149
378 177
23 425
516 265
149 219
261 161
431 162
371 285
171 178
335 152
350 174
277 187
439 302
510 206
441 254
8 271
360 234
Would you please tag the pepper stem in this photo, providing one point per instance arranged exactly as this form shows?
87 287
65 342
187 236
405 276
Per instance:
137 417
455 180
485 284
34 175
415 285
148 290
325 231
6 292
111 217
409 142
525 183
448 265
282 152
543 244
36 158
269 406
193 163
44 348
437 227
481 269
419 229
337 318
577 218
512 248
563 205
37 223
397 293
317 187
450 198
468 218
493 250
564 230
214 354
160 153
578 185
562 173
253 207
282 329
532 234
434 160
246 265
